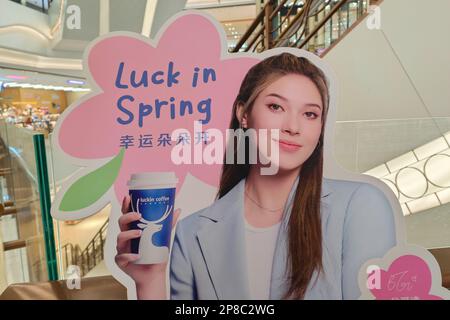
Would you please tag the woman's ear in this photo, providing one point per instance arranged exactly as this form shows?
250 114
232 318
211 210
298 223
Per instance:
241 115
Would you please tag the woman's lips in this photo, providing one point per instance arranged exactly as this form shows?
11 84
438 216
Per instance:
288 145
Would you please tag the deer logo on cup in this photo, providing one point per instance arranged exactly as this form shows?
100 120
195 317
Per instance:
147 250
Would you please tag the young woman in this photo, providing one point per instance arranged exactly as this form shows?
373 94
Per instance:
292 235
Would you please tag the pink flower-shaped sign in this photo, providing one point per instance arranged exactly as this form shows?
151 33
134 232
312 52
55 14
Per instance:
144 91
407 278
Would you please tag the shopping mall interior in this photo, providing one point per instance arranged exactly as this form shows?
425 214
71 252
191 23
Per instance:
391 59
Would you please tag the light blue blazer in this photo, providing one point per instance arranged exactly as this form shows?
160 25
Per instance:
208 259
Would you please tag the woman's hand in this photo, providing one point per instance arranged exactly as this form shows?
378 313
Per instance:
149 278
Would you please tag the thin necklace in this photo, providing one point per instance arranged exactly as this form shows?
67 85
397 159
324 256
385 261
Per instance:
255 202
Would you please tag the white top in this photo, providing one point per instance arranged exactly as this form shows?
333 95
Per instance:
260 247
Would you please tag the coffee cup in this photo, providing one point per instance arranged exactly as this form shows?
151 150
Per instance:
152 195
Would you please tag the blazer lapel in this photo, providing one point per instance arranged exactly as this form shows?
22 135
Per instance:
226 260
279 280
222 241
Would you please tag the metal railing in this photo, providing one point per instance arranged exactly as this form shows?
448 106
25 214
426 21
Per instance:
88 258
39 5
313 25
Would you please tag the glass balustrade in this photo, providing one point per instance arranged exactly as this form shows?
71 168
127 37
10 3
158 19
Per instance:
25 222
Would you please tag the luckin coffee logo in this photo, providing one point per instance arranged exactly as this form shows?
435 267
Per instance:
151 199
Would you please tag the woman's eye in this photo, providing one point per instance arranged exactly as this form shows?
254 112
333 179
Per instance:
275 107
311 115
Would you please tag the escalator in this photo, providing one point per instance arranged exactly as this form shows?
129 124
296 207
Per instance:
314 25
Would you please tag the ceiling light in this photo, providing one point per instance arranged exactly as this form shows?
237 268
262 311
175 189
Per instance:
419 178
78 82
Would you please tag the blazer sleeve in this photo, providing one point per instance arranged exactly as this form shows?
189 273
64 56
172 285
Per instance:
369 232
181 275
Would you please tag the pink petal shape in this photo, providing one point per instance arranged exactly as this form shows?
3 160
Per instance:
91 130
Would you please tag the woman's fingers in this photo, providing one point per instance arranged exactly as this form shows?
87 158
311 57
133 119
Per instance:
122 260
123 239
126 204
127 218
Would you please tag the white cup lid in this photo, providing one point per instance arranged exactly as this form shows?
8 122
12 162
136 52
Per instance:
153 178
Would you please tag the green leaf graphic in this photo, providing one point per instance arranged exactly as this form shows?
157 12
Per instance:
91 187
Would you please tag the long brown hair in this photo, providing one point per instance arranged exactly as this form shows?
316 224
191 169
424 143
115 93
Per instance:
304 232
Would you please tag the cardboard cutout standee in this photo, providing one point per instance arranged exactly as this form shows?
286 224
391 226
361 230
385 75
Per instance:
163 106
